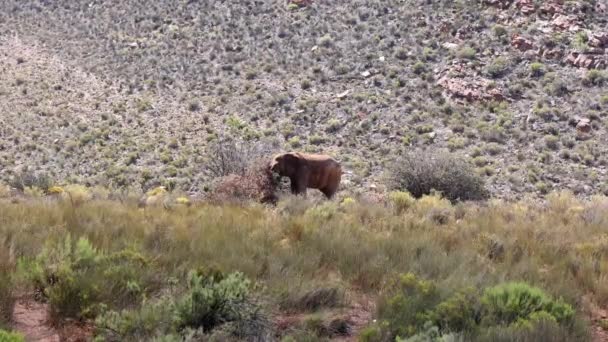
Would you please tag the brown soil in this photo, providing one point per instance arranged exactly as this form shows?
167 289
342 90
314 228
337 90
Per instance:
32 319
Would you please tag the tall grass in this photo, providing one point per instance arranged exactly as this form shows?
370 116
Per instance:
560 246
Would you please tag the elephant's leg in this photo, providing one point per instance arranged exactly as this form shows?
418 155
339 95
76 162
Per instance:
294 186
329 191
298 187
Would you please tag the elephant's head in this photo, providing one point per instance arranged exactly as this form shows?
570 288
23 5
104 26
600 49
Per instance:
285 164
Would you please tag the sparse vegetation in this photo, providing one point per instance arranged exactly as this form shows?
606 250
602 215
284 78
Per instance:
155 106
207 270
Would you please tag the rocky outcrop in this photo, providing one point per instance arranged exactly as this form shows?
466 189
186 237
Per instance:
525 6
589 60
599 40
521 43
301 3
499 3
566 22
551 8
471 89
583 126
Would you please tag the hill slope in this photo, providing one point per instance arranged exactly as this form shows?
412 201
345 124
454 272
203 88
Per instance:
131 92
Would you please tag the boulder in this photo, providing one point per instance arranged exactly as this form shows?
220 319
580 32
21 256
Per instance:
471 89
301 3
599 40
551 7
587 60
521 43
525 6
583 126
499 3
566 22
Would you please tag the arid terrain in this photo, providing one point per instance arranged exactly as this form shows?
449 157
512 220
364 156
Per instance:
130 93
136 201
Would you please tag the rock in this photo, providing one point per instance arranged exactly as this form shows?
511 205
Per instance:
551 7
366 73
525 6
583 126
551 53
566 22
521 43
499 3
471 90
531 55
343 94
464 32
601 7
587 60
301 3
450 46
599 40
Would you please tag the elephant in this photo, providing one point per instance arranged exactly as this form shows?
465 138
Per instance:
315 171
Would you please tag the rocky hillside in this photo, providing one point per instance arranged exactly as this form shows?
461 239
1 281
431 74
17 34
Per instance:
130 93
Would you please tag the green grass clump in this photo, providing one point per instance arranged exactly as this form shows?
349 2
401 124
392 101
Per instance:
6 336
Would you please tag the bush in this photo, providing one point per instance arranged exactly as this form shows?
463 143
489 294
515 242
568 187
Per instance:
516 302
537 69
415 310
466 53
214 303
497 68
401 201
421 172
594 78
79 280
257 183
6 336
229 157
211 300
409 309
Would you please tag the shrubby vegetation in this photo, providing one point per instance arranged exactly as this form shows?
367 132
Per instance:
421 172
147 99
435 270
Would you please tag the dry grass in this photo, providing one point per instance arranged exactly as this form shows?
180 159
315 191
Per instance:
559 246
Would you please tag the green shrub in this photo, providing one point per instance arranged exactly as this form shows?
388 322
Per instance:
401 200
407 311
498 67
212 300
458 313
150 320
537 69
466 53
421 172
79 280
419 68
594 78
513 302
6 336
499 31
